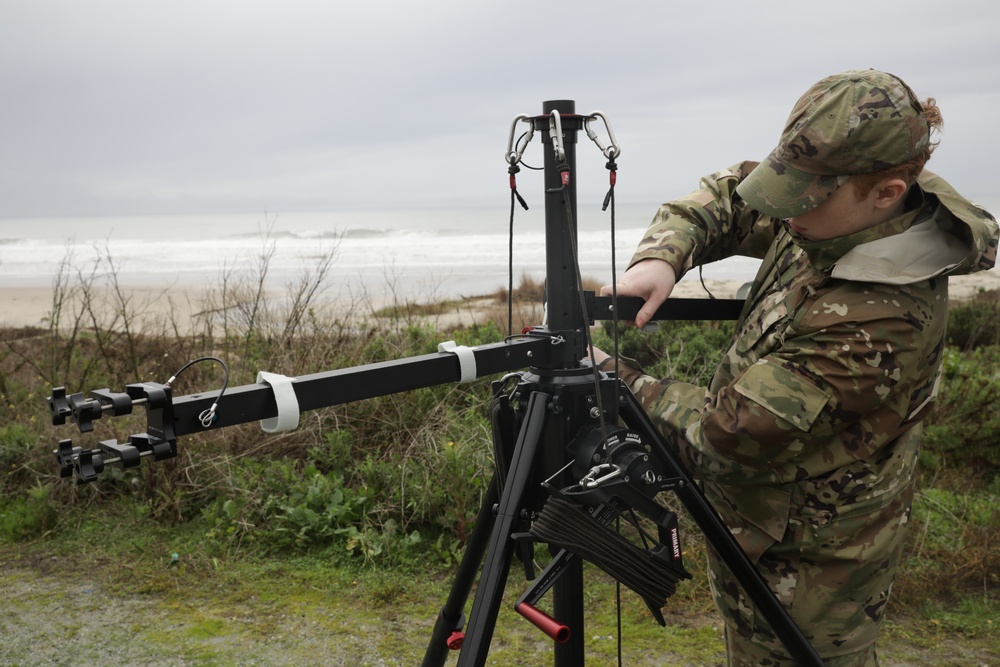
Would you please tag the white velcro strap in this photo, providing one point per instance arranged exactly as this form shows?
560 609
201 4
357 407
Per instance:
284 397
466 359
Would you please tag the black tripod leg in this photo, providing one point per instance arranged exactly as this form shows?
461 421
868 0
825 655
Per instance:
498 556
567 606
722 540
451 618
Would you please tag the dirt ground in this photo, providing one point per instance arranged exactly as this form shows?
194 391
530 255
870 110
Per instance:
60 619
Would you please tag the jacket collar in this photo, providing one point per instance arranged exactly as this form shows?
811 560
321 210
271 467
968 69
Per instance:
940 234
824 255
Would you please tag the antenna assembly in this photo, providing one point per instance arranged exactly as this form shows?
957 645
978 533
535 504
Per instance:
577 451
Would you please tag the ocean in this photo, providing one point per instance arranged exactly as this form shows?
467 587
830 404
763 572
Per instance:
420 254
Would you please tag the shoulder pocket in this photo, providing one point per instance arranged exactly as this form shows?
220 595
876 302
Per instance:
783 393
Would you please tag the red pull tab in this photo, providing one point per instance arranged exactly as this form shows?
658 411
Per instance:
613 177
565 177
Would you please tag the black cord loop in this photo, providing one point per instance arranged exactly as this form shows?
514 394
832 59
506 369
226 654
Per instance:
207 416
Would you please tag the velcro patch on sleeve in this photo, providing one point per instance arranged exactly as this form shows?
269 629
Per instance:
783 393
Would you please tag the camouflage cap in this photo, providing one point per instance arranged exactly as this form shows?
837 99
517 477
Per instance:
855 122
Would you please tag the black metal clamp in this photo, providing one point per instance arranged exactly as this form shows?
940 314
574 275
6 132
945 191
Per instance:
159 442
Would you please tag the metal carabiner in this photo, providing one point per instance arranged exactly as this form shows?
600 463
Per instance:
612 151
592 480
555 133
513 154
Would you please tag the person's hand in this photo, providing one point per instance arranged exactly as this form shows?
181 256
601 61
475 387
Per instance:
651 279
599 355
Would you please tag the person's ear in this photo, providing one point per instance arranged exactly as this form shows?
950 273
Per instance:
890 191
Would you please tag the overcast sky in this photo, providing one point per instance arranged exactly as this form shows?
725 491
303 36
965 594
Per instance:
183 106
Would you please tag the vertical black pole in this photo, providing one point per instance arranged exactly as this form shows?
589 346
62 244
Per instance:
562 299
567 606
565 319
553 415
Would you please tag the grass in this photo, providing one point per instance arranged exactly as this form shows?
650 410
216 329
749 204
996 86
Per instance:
105 593
318 608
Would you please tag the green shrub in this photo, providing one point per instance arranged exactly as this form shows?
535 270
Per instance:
17 442
685 350
28 515
953 545
316 510
963 430
975 323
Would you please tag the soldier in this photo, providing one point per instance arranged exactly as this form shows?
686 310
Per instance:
806 440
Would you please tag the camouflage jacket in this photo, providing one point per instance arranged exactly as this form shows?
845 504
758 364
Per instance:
809 417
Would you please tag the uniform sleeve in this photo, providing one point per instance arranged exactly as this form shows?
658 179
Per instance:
708 224
822 401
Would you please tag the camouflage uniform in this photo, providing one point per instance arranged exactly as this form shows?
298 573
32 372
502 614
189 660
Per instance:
806 440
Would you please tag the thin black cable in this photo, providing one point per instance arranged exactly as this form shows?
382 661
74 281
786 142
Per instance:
520 151
510 268
612 166
207 416
618 603
583 311
610 199
514 196
701 278
605 560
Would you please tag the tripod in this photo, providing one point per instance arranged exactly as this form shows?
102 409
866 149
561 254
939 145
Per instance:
559 404
561 410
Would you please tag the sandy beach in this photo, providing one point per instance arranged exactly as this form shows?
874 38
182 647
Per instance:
32 306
